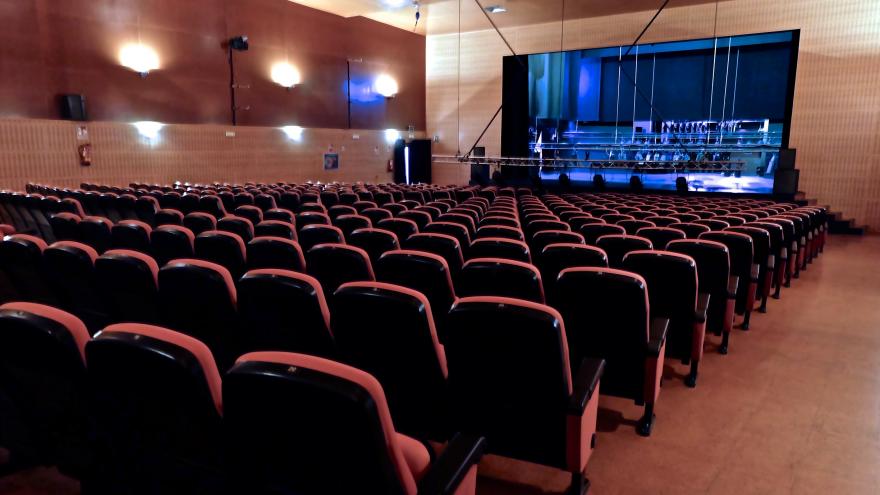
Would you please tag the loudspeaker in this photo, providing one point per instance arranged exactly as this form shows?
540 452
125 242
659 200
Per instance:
786 182
787 157
73 107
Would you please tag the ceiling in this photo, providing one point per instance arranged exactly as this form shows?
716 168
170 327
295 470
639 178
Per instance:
442 16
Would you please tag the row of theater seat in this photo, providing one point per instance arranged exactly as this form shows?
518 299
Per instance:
691 285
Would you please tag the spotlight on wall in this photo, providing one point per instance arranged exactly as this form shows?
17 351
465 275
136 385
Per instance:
139 58
239 43
286 75
392 135
148 129
293 132
386 86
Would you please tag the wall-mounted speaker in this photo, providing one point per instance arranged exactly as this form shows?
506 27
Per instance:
785 182
73 107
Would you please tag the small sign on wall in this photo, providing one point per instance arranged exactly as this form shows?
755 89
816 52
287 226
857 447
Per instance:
331 161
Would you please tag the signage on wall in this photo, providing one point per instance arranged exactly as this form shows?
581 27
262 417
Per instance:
331 161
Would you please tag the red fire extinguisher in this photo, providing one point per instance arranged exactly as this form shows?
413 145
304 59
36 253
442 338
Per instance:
85 154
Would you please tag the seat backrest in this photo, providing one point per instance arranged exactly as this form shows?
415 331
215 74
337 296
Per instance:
280 214
494 247
592 232
275 252
65 226
169 216
661 236
198 298
168 242
95 231
128 282
607 316
239 226
131 234
21 260
336 415
401 227
45 384
456 230
500 277
336 264
502 231
350 223
212 205
442 245
633 226
691 230
617 246
199 221
557 257
337 211
252 213
224 248
375 242
312 235
500 348
70 267
544 238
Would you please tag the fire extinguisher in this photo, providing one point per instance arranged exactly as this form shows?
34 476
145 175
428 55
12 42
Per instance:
85 154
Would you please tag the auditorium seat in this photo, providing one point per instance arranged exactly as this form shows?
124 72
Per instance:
401 227
312 235
252 213
349 223
463 219
388 331
311 218
375 242
446 246
158 410
362 205
617 246
494 247
607 316
146 207
592 232
661 236
714 225
338 419
211 205
494 219
691 230
70 270
456 230
168 242
424 272
128 282
224 248
557 257
239 226
674 293
778 250
280 214
284 311
131 234
275 252
199 222
510 381
742 254
502 231
337 211
65 226
167 216
763 257
44 380
544 238
376 214
198 298
633 226
716 279
95 231
275 228
336 264
21 261
500 277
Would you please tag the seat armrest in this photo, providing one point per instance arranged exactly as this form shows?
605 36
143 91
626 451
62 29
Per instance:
450 469
657 337
783 255
732 286
585 384
702 307
756 269
771 262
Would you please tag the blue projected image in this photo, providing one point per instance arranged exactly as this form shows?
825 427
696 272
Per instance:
714 110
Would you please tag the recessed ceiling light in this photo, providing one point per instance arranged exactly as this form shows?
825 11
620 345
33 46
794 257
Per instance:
496 9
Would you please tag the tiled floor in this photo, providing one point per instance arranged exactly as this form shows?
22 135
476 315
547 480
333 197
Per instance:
793 409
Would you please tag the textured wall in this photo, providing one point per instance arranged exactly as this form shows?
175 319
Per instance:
51 47
836 121
46 152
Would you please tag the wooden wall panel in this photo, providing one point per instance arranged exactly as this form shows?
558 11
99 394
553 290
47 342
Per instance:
836 121
44 151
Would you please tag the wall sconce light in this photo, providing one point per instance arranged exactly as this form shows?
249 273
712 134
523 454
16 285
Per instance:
293 132
392 135
286 75
149 129
139 58
386 86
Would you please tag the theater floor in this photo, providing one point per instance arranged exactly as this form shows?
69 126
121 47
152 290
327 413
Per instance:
794 408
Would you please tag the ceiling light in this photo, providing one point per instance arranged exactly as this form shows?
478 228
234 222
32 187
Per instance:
395 4
392 135
139 58
293 132
386 86
496 9
286 75
148 129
